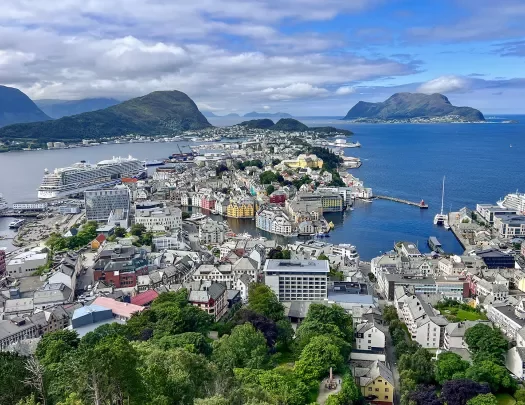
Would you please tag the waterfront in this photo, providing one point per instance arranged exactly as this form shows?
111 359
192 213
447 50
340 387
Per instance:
406 161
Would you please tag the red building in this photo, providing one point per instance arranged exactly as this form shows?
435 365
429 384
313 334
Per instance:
278 197
2 261
208 203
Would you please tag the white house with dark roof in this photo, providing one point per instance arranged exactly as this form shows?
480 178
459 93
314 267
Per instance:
369 336
509 318
515 361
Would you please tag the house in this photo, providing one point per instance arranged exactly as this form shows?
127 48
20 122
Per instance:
455 336
50 320
211 298
369 336
66 272
375 380
53 294
16 330
145 298
515 362
243 284
98 242
120 310
509 318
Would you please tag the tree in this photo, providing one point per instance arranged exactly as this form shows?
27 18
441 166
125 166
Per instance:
215 400
449 366
317 357
275 162
458 392
286 254
138 230
72 399
424 395
519 395
185 215
333 314
420 363
487 371
487 342
54 345
120 232
262 299
285 334
270 189
267 177
322 256
30 400
245 347
263 324
389 313
193 342
483 399
13 372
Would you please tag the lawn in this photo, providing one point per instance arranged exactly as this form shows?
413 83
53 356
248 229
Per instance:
505 399
462 315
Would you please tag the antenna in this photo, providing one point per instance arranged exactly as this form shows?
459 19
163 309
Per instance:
442 195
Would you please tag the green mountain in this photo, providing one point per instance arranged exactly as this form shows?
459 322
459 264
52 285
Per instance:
64 108
263 123
16 107
158 113
267 114
289 125
413 105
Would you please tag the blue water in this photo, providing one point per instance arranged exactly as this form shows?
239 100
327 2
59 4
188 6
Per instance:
402 160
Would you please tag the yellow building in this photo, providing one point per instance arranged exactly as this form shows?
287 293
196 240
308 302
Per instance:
376 382
303 161
241 209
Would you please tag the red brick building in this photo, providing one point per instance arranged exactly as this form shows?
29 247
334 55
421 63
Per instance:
278 197
208 203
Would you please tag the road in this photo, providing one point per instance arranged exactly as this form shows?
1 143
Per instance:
391 361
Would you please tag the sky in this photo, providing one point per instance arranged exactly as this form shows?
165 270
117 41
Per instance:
304 57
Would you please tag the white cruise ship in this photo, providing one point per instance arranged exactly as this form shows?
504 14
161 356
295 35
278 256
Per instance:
83 176
3 203
515 201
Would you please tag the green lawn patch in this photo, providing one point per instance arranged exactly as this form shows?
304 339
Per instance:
459 314
505 399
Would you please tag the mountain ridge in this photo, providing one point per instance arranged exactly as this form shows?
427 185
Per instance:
16 107
157 113
266 115
57 108
406 106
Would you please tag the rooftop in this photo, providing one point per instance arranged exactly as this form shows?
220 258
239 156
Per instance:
296 266
122 309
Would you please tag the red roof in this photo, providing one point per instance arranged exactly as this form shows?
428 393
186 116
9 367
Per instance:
100 238
118 308
144 298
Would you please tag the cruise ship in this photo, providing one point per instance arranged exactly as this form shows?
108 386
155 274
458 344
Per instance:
515 201
84 176
3 203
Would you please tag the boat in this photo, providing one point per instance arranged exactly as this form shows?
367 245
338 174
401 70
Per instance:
442 219
353 145
197 217
435 245
331 225
149 163
17 223
367 200
3 203
511 145
515 201
83 176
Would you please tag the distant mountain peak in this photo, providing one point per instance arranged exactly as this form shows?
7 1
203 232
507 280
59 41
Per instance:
412 105
17 107
63 108
268 114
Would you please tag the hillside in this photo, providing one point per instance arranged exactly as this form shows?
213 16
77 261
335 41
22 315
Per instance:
402 106
158 113
64 108
263 123
16 107
209 114
291 125
266 114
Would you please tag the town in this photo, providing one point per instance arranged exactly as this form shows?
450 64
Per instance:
277 300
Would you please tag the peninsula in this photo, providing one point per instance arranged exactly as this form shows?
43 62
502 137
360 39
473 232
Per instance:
292 125
413 108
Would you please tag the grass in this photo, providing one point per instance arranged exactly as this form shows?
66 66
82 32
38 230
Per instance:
505 399
463 315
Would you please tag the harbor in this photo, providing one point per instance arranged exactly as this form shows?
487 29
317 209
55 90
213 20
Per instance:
420 204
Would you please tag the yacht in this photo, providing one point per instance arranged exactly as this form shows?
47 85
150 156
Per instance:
3 203
83 176
442 219
17 223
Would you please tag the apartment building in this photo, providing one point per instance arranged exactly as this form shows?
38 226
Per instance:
100 203
159 219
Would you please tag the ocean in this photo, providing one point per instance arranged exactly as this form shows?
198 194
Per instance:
481 162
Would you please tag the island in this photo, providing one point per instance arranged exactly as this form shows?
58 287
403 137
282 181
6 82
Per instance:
413 108
293 125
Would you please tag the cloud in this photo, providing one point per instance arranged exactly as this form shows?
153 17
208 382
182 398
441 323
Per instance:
344 90
296 90
445 84
266 107
207 107
512 48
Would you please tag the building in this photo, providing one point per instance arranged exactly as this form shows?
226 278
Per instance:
50 295
26 263
515 362
212 232
30 206
455 335
211 298
272 219
490 212
509 318
3 264
100 203
375 380
278 197
369 336
145 298
119 217
495 259
303 161
16 330
241 208
159 219
330 201
120 310
510 226
297 280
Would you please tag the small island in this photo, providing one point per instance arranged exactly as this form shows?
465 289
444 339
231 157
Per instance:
413 108
292 125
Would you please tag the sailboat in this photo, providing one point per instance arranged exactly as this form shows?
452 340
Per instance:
442 219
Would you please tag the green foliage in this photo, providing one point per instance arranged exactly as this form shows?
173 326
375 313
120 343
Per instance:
389 313
330 160
138 230
349 393
87 233
420 364
248 163
317 357
120 232
215 400
72 399
13 372
191 341
29 400
185 215
270 189
267 177
496 375
55 345
261 299
486 343
275 162
483 399
289 125
322 256
303 180
450 366
245 347
286 254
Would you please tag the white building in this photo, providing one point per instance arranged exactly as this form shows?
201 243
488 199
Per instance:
455 334
452 266
30 206
100 203
212 232
509 318
274 220
515 361
368 336
24 264
155 219
297 280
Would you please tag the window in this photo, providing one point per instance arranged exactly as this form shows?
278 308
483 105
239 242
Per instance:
369 388
386 396
386 384
377 389
387 389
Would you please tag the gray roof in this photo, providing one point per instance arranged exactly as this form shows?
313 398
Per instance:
8 328
55 292
216 290
296 266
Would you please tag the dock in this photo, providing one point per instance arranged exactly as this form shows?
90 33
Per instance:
420 204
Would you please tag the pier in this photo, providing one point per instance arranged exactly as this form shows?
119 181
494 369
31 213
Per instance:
421 204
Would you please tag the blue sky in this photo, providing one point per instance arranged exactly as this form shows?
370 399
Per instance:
305 57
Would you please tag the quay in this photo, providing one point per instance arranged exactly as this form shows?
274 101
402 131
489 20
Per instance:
420 204
12 214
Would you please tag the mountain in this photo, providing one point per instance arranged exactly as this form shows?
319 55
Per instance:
264 114
413 105
16 107
232 115
209 114
289 125
63 108
263 123
158 113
